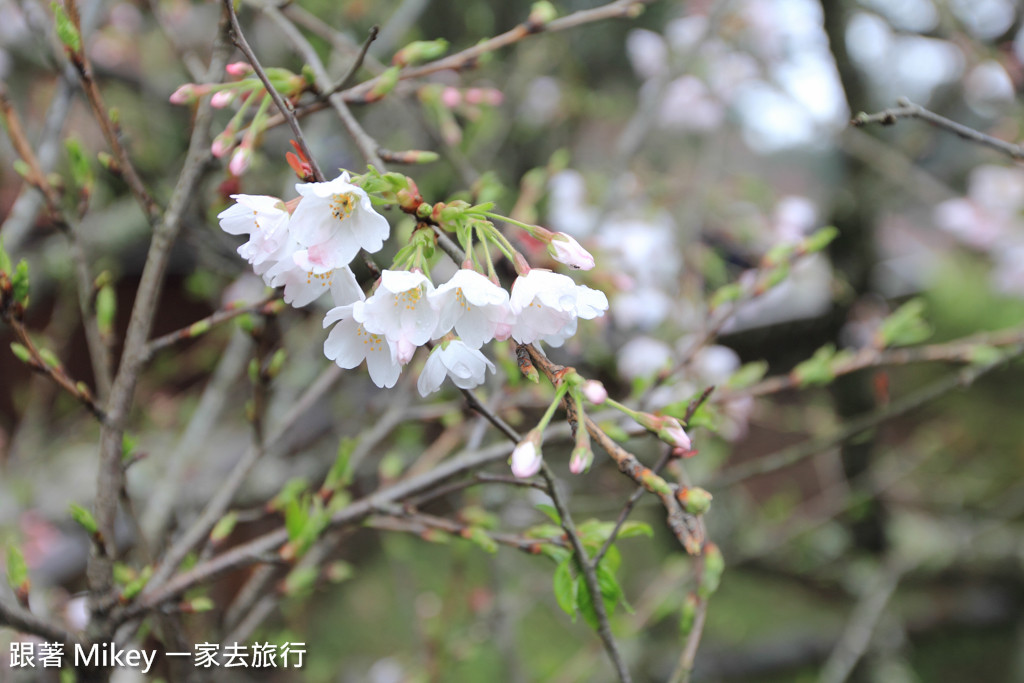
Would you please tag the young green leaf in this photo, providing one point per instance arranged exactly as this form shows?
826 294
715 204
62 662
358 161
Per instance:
565 588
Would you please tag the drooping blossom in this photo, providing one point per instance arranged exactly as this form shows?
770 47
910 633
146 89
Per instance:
400 310
546 306
475 307
466 366
349 344
264 219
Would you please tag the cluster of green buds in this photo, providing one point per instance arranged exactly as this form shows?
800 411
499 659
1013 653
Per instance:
13 286
248 91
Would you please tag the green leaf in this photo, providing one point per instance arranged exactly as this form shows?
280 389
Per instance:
301 580
292 489
630 529
905 325
479 537
820 239
817 369
295 517
19 283
688 615
714 566
66 30
128 444
135 586
83 517
748 375
224 526
21 352
17 569
106 309
549 511
200 604
340 474
565 588
982 354
81 170
5 259
49 358
726 293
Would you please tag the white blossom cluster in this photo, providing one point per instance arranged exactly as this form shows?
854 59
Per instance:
308 249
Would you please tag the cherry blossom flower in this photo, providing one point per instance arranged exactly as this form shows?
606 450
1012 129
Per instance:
302 287
465 365
333 222
547 305
565 249
477 308
400 309
264 219
349 344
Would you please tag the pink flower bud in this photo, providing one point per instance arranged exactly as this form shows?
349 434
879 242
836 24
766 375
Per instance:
221 146
526 458
567 250
580 460
240 160
595 392
186 94
222 99
673 434
451 97
238 69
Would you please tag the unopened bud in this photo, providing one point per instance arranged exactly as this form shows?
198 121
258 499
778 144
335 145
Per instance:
694 499
565 249
526 457
581 459
595 392
386 82
420 51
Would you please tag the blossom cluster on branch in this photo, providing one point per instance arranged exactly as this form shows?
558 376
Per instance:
306 245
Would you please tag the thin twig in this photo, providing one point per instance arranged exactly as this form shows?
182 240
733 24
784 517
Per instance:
24 621
239 39
109 128
267 306
909 110
856 637
357 63
958 351
583 565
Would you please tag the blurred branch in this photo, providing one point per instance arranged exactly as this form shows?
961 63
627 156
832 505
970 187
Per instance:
256 550
856 637
108 125
99 353
909 110
467 59
404 519
791 456
110 475
25 622
268 306
958 351
78 390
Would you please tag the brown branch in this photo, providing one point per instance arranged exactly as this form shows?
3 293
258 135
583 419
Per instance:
108 127
589 572
683 525
99 352
110 475
909 110
239 39
24 621
77 390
